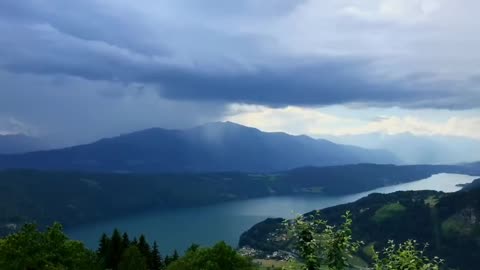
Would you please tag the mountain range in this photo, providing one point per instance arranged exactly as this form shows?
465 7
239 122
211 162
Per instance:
220 146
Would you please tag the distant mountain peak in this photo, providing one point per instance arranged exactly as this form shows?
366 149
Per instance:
217 146
224 124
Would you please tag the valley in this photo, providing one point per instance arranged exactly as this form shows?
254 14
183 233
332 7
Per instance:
206 225
75 198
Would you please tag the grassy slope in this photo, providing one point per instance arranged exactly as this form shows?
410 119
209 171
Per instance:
451 224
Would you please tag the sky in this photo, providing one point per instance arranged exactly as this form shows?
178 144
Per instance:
76 71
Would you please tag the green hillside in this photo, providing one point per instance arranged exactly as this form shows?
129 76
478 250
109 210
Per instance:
450 223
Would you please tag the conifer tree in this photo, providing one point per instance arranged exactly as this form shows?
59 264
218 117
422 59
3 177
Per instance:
156 258
125 241
175 255
104 252
132 259
134 242
116 249
167 260
144 248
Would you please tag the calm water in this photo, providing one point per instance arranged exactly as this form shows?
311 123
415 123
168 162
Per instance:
177 229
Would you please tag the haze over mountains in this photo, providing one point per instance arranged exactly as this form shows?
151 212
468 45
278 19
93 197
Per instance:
221 146
19 143
416 149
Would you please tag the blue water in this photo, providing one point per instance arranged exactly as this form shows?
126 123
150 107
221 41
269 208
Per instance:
179 228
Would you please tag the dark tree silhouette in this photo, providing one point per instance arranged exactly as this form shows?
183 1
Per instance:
156 258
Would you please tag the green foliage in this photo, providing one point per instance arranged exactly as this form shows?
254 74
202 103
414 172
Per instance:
31 249
219 257
144 248
132 259
388 211
48 250
405 256
117 251
339 244
455 242
103 251
170 259
125 240
308 240
175 255
322 245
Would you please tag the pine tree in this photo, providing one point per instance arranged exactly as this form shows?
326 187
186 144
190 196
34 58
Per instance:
144 248
104 252
167 260
103 246
156 258
175 255
116 249
132 259
125 241
134 242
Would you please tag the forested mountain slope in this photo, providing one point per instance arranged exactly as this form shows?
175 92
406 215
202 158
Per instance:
449 222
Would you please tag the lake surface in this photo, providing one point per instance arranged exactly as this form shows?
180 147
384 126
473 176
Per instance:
179 228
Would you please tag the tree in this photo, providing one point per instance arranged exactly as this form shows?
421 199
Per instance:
339 245
144 248
156 258
116 249
193 247
321 244
405 256
219 257
307 240
51 249
132 259
125 240
167 260
103 245
134 241
172 258
175 256
104 251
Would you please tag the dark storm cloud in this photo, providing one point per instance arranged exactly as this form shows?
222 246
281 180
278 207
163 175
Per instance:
71 110
184 61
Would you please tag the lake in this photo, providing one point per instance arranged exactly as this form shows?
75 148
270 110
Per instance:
179 228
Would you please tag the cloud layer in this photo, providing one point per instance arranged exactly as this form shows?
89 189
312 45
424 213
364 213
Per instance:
409 53
80 70
72 110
